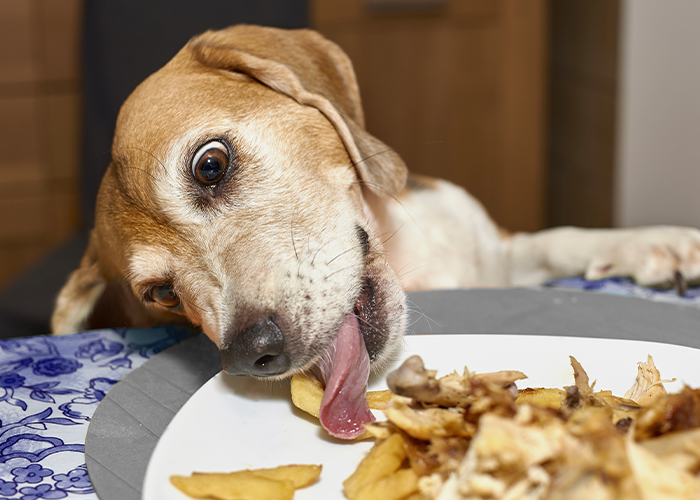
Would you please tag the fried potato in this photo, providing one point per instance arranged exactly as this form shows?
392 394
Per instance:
307 393
377 400
542 397
384 458
243 485
300 476
395 486
278 483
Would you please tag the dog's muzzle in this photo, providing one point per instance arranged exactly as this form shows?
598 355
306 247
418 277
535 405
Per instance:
257 350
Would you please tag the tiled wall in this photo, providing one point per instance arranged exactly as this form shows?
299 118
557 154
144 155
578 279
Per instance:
39 128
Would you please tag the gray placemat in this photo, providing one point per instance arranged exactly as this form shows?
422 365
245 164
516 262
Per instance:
130 419
128 422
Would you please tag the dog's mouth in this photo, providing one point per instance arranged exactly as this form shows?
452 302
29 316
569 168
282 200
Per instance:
345 367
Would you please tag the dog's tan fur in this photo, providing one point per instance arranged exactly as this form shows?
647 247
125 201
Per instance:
279 237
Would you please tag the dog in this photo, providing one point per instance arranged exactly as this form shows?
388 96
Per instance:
245 198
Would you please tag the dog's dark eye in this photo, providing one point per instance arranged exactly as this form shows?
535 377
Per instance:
210 163
164 295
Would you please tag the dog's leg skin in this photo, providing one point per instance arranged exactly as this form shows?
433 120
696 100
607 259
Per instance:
79 295
438 236
76 301
652 256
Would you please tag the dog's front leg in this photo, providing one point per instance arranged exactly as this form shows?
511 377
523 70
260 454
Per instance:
652 256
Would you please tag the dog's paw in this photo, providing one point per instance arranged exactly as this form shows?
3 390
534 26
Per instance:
656 256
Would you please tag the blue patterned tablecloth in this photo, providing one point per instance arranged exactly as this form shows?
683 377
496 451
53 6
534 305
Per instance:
51 385
49 389
624 286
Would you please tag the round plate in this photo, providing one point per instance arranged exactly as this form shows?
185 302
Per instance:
235 423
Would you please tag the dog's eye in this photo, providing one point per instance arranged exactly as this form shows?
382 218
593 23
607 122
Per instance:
210 163
164 295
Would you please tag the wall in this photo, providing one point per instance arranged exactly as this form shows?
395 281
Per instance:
581 121
39 128
458 89
658 130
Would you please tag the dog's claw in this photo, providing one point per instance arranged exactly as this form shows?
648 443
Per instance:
680 283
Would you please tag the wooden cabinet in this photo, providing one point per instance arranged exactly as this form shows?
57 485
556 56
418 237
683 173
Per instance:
583 102
458 88
39 129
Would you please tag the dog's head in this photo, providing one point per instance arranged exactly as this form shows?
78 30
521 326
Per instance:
235 202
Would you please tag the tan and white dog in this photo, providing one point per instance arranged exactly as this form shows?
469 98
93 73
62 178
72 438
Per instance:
246 198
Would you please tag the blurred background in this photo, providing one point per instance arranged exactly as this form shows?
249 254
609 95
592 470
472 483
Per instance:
551 112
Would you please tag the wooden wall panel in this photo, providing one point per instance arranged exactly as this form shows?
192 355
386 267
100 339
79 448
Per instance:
584 58
39 128
458 88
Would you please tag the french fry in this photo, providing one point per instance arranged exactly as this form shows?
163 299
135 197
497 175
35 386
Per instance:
395 486
260 484
242 485
416 496
300 476
307 393
384 458
377 400
542 397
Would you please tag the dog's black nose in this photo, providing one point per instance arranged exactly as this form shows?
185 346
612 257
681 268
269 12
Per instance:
256 350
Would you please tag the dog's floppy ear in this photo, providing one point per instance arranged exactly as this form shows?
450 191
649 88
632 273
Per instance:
314 71
78 297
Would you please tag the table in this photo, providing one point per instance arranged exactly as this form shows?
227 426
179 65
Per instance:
52 387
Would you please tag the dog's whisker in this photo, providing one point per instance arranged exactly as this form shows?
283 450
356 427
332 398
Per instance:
193 305
294 244
341 254
368 324
401 275
313 259
421 315
128 167
339 271
377 187
392 234
384 151
162 165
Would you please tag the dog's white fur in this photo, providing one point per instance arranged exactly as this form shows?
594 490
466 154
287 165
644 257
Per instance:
280 237
473 251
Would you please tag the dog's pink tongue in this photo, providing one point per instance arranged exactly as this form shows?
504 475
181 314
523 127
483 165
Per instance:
345 369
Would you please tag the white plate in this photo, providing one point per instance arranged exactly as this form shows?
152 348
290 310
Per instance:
235 423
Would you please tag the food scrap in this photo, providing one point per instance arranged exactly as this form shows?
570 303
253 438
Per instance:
475 437
259 484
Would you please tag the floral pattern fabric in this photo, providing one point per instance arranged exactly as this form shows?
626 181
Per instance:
49 388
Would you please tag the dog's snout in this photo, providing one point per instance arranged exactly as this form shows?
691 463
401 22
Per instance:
256 350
